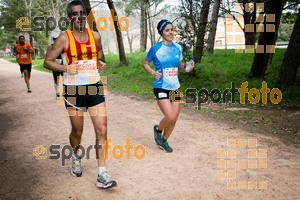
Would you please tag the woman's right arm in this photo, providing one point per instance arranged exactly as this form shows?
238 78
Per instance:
150 71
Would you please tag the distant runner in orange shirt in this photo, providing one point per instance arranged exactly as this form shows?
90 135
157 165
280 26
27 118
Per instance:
24 50
15 53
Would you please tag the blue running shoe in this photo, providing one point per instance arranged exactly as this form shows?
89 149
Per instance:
165 146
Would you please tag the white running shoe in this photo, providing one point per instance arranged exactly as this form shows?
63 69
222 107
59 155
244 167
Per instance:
104 181
76 166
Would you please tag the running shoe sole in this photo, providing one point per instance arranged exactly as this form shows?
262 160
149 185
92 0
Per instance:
164 149
108 185
76 175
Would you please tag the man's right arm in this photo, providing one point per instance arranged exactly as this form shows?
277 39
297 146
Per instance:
53 52
14 51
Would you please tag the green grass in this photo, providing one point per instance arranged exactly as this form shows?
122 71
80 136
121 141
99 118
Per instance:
36 63
215 71
131 78
39 65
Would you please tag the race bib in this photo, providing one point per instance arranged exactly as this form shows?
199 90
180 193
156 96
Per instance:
170 72
86 66
87 73
23 56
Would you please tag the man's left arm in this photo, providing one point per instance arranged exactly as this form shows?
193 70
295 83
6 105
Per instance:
101 61
29 49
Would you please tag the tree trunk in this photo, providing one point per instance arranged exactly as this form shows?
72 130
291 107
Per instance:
88 8
154 32
201 31
250 38
130 40
291 60
146 4
151 35
275 39
266 41
91 18
42 52
108 49
213 28
143 29
122 56
249 18
31 44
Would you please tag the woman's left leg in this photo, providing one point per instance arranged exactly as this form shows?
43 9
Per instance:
175 107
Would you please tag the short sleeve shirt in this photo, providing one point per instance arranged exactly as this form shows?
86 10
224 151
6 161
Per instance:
166 59
24 56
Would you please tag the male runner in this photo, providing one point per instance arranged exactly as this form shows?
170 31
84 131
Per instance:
57 75
24 50
15 53
83 52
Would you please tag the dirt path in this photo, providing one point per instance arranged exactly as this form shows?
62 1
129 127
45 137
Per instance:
190 172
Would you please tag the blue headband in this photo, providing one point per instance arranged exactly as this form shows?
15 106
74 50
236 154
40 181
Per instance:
163 26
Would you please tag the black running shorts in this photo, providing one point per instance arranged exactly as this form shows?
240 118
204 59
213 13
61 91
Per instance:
172 95
81 97
25 66
56 74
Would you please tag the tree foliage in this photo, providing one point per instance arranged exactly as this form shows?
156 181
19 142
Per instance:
193 24
146 11
12 10
286 26
189 15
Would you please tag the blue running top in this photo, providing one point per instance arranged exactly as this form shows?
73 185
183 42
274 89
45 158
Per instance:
166 59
